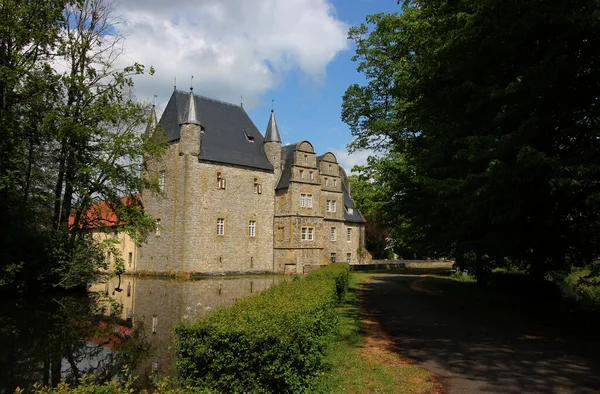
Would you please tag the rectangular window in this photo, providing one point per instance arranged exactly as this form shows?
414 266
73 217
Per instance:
349 235
302 200
252 228
280 231
301 174
130 258
220 226
328 205
256 185
333 205
154 324
334 182
348 257
333 233
107 257
326 181
220 181
311 175
332 257
116 236
308 233
309 200
161 181
157 231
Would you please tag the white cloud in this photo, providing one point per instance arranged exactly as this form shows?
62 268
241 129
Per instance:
349 160
232 47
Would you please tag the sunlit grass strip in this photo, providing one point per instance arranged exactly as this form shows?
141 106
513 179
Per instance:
361 360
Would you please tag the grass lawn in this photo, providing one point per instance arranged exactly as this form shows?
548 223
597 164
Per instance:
362 360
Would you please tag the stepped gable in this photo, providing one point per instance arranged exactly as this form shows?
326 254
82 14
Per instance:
229 135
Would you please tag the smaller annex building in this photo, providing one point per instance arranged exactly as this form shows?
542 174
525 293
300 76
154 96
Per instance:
232 200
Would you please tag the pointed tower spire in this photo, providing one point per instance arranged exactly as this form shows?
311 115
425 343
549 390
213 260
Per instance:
272 134
192 116
152 122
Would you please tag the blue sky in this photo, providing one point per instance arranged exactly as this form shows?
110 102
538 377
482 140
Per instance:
292 51
311 110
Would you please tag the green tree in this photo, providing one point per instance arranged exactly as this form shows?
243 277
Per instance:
494 106
72 136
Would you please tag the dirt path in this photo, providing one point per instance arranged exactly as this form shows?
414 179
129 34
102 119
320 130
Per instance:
473 353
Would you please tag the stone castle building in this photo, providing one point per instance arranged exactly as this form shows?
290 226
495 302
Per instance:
231 200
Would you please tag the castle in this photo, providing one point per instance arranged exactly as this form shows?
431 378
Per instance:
231 200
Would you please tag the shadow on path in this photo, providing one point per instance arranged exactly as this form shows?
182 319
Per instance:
474 353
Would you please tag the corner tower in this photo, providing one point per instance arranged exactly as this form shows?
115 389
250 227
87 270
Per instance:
190 129
272 145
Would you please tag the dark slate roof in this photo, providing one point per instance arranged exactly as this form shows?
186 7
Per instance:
272 134
287 160
355 217
227 130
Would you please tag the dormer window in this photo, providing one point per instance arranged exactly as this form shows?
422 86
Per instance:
248 137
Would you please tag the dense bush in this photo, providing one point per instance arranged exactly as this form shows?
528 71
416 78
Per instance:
339 272
273 342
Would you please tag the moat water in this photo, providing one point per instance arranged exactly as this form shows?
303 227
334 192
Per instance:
44 340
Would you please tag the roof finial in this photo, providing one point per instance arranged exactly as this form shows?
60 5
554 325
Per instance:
154 101
242 101
192 83
272 104
174 83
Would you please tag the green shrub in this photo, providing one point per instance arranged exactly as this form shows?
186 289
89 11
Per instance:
275 341
339 272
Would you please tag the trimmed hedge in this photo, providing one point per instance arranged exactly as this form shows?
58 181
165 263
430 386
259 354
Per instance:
275 341
338 272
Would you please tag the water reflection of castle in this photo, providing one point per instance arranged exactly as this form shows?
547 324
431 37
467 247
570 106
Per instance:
154 306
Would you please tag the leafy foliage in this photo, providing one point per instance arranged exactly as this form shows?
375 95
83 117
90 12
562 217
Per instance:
487 111
273 342
70 136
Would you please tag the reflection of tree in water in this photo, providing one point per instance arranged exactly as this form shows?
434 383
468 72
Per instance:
48 338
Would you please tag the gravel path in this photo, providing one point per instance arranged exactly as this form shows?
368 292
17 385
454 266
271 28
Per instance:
473 353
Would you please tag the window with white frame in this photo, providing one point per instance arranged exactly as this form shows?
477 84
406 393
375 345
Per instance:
348 257
328 205
349 235
333 233
332 257
252 228
333 205
305 200
220 181
220 226
308 234
161 181
157 230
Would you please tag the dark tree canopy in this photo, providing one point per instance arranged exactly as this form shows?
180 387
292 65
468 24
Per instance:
494 107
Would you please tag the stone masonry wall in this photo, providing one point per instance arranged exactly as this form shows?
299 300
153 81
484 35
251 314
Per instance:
188 210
